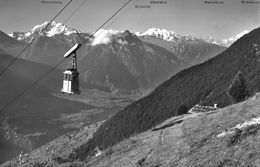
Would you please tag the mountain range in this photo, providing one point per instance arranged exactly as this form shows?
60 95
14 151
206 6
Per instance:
143 61
59 28
204 84
174 37
227 42
191 51
168 35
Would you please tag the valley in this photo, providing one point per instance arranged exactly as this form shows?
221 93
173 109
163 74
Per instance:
33 127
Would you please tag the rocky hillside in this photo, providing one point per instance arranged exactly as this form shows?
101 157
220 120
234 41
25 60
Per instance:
128 63
10 45
229 139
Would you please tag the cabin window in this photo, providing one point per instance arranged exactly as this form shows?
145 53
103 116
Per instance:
67 77
71 77
74 78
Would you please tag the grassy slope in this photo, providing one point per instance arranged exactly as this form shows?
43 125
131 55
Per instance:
59 147
192 140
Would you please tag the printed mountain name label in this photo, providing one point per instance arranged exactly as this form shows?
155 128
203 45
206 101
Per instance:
214 2
246 2
158 2
51 2
142 6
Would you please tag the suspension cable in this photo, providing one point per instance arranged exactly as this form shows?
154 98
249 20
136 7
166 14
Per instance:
27 90
27 46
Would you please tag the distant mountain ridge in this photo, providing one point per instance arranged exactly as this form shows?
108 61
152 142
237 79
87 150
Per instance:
189 49
121 47
112 60
174 37
160 33
58 28
165 35
226 42
125 56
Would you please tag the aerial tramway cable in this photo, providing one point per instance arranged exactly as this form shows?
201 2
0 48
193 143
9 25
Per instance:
27 46
122 13
80 6
23 93
71 75
92 35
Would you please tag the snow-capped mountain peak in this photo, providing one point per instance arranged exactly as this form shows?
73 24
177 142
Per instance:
211 40
52 29
39 27
226 42
242 34
172 36
159 33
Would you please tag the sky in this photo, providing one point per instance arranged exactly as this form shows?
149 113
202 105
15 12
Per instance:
185 17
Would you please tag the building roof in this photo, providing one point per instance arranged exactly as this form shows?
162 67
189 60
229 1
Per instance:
71 71
198 108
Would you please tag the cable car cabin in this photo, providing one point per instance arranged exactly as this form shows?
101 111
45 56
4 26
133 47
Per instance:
71 82
71 76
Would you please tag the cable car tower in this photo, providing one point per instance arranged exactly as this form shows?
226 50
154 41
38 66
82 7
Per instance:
71 75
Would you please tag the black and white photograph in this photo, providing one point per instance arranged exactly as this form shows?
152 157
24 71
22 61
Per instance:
129 83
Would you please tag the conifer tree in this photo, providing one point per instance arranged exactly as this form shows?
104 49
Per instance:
238 88
182 110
